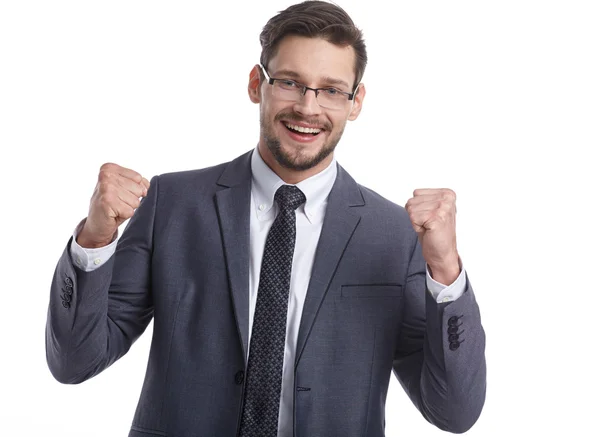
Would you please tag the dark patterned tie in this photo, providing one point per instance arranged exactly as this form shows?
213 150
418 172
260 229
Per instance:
260 412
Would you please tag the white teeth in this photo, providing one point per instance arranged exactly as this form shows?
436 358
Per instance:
304 130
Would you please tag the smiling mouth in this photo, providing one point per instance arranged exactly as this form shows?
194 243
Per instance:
301 130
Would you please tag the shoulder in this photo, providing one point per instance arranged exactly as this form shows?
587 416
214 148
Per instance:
194 177
383 222
197 182
370 201
377 205
367 202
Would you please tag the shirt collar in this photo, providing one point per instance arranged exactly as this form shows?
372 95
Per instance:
316 188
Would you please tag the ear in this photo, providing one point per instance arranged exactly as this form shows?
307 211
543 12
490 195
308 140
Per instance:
358 101
254 84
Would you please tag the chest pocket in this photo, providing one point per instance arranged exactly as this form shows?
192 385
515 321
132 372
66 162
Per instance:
372 291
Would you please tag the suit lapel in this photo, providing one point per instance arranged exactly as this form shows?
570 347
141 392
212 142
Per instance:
338 226
233 205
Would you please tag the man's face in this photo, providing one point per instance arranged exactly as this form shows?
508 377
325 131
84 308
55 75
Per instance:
316 63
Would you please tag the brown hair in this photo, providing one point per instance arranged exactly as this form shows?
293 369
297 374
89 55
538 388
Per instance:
315 19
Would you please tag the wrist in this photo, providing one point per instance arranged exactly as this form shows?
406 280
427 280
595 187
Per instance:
85 240
446 271
92 244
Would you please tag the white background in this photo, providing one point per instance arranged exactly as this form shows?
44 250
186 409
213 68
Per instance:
498 100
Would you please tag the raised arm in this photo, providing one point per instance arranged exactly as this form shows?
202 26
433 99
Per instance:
440 354
95 316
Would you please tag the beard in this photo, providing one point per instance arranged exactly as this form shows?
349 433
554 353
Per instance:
297 161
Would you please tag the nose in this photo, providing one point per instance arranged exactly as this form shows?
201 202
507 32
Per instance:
307 104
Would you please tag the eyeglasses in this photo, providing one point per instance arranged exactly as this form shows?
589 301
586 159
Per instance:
292 91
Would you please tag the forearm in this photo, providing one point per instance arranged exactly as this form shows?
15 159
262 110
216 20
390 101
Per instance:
94 321
453 376
77 328
440 355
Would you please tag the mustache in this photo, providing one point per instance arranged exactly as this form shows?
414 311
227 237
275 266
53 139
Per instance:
291 116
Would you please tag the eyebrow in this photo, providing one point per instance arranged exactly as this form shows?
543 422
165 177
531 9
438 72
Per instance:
326 79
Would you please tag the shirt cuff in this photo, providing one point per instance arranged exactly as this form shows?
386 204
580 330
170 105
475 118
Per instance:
450 293
87 259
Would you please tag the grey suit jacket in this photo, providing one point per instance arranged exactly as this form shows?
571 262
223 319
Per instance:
184 260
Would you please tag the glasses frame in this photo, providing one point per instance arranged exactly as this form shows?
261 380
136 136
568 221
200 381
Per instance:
304 88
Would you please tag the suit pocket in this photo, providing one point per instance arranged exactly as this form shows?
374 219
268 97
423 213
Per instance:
371 291
137 431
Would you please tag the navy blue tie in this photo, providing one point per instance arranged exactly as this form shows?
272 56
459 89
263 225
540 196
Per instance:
260 413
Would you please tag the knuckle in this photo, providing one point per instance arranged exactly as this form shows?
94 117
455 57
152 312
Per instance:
108 166
105 175
449 194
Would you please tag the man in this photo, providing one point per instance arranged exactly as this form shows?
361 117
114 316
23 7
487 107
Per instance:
283 293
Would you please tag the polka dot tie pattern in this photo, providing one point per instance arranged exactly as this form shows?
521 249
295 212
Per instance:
260 411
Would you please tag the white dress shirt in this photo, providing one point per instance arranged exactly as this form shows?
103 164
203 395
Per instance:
309 222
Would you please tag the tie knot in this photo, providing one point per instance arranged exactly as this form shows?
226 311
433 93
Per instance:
289 197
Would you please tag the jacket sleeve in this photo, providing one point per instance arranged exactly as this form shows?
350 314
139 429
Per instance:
440 353
94 317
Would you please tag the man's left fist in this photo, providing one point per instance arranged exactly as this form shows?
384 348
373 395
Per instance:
432 213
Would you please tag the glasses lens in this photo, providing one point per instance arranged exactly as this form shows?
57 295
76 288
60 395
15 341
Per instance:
332 99
288 90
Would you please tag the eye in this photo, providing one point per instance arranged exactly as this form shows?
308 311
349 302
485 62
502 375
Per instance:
332 92
289 84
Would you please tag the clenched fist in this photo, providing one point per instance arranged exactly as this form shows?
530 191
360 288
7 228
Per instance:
432 213
116 197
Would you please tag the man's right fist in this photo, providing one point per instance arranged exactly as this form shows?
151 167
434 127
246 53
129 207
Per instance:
116 197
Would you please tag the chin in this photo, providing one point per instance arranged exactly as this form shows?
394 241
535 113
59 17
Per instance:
299 157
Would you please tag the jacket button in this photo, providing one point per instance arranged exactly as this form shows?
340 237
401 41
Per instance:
453 329
453 337
66 304
454 345
239 377
452 321
68 281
